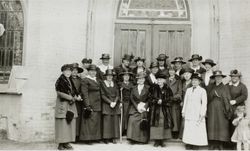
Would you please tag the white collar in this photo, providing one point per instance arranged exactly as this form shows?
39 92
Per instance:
109 84
152 76
195 68
234 84
92 78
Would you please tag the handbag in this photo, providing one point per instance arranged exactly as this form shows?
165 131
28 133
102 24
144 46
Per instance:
69 116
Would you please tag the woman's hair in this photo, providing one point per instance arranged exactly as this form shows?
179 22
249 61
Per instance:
241 109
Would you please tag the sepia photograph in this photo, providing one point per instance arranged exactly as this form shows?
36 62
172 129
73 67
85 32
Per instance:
124 75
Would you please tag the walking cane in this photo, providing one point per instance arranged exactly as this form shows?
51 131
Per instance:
121 116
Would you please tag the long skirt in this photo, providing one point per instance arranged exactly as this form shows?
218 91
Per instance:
125 116
79 118
181 128
217 123
91 127
134 132
195 133
159 132
176 115
64 132
111 126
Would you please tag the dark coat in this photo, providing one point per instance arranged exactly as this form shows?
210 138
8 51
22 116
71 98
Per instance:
110 94
65 92
165 94
164 71
91 93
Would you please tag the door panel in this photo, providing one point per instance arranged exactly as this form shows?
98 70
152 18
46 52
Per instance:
132 39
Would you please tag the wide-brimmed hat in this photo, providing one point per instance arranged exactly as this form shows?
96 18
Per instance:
195 56
162 57
76 66
66 67
196 76
109 72
92 67
125 72
217 73
161 75
235 73
139 59
127 57
154 64
105 56
187 70
141 75
178 59
209 61
85 60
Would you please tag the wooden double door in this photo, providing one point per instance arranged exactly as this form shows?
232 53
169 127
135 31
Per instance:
149 41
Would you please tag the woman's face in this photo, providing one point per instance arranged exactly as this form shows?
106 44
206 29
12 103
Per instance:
139 63
86 65
218 79
74 72
140 81
105 61
161 81
240 114
187 75
161 62
171 72
154 70
67 73
195 82
126 63
178 65
109 77
208 66
92 73
126 77
235 79
195 62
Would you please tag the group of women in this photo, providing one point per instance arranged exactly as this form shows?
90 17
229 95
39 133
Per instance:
166 100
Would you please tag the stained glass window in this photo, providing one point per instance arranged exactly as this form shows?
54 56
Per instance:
11 42
159 9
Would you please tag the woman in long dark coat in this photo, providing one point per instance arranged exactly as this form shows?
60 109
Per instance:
161 120
163 65
110 108
65 110
218 113
126 87
175 84
77 83
138 111
90 90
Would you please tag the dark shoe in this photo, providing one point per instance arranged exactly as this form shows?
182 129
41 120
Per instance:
61 147
131 142
105 141
114 141
68 146
156 144
162 144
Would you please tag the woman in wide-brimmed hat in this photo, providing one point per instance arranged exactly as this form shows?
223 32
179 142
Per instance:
209 64
151 79
91 121
110 108
65 110
178 62
160 104
104 66
137 123
125 87
194 111
85 65
218 112
239 95
195 63
75 77
163 64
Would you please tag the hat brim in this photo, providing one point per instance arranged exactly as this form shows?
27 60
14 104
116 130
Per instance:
199 78
79 70
213 76
109 74
199 58
104 58
235 75
123 73
143 60
212 64
173 62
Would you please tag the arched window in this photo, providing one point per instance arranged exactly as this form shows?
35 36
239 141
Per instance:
154 9
11 42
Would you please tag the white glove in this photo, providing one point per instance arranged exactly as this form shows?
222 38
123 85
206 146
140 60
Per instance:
232 102
112 104
159 101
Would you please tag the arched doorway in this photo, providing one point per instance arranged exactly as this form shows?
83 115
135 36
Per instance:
147 28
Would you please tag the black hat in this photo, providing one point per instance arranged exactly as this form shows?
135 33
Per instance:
109 72
127 57
195 56
162 57
141 75
235 73
66 66
154 64
217 73
85 60
161 75
178 59
76 66
105 56
92 67
196 76
139 59
125 72
209 61
188 70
